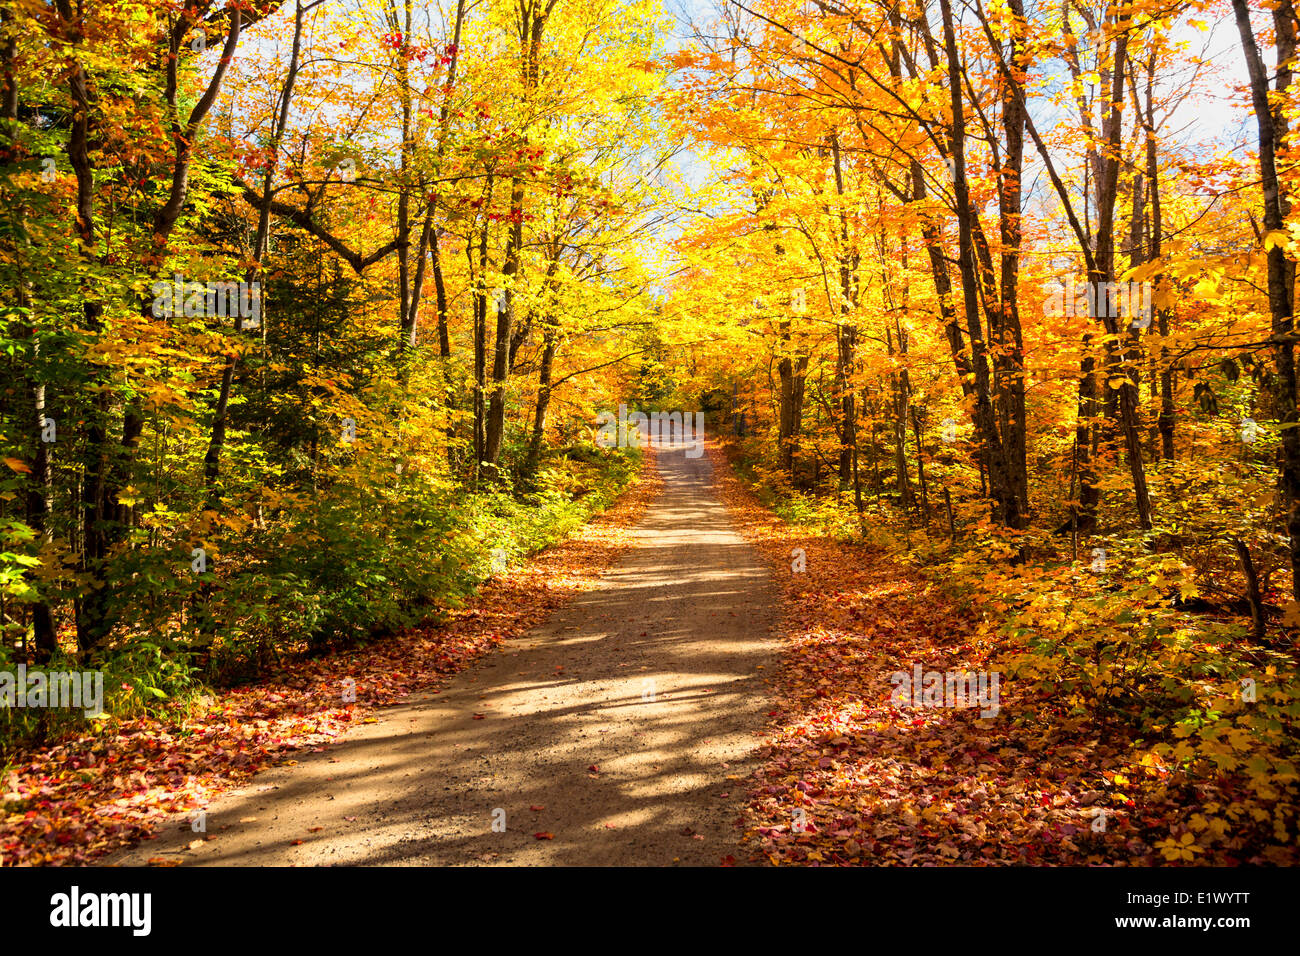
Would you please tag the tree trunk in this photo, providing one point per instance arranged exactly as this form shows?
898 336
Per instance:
1272 123
440 298
846 331
1103 274
550 339
1009 339
40 491
1001 482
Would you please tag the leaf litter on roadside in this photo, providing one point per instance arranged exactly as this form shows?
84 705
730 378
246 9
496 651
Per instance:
82 798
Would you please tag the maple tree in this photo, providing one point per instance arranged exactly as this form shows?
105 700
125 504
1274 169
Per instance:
185 478
974 287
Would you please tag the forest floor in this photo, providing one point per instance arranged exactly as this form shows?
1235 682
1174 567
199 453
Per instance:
850 778
620 732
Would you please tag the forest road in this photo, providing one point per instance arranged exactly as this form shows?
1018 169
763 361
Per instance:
656 678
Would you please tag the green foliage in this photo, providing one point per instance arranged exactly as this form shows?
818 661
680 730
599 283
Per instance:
142 678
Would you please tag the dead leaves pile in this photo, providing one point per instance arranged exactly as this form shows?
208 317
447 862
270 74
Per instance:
850 779
85 797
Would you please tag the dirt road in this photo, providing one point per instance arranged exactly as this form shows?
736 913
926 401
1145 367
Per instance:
655 679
